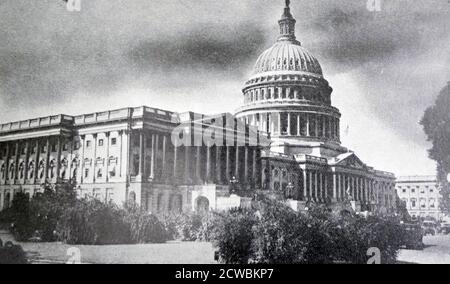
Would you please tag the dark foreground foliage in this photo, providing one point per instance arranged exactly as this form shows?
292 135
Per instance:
272 233
12 254
57 215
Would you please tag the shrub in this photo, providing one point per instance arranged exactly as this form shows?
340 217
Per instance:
233 235
144 227
22 227
272 233
188 227
92 222
278 234
12 254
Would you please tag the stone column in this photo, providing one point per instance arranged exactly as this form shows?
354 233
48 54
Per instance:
187 163
47 158
175 157
305 185
95 158
326 186
7 163
298 124
36 162
164 149
83 146
219 164
227 165
237 168
208 163
321 187
324 126
279 124
58 158
335 186
316 188
152 158
16 162
254 177
156 164
308 134
26 162
288 123
316 118
198 157
107 135
245 165
310 190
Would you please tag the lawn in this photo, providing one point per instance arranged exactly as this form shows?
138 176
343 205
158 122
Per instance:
168 253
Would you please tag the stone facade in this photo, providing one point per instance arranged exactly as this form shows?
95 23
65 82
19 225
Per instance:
284 139
127 154
421 195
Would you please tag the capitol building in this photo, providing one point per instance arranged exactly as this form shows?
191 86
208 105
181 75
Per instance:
284 139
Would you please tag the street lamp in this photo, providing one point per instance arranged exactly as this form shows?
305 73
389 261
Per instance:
233 184
289 194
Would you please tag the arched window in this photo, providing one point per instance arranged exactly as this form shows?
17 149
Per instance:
52 169
64 166
31 170
21 170
3 171
11 171
41 169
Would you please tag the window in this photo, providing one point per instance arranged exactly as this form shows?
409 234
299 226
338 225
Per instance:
86 173
99 173
65 147
77 145
413 203
404 190
88 143
22 150
413 190
53 147
100 142
113 141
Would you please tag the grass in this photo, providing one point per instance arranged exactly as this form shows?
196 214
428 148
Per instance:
168 253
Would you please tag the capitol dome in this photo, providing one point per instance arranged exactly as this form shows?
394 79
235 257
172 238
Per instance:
287 96
286 55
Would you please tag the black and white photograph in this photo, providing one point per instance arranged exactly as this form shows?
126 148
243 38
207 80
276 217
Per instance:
205 133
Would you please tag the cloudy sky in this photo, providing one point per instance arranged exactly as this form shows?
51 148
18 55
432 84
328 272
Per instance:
385 67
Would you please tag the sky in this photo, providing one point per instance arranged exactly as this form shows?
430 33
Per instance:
386 67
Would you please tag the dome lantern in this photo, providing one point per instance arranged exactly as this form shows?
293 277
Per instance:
287 24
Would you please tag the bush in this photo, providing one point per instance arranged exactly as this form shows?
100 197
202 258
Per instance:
56 214
12 254
188 227
144 227
272 233
92 222
233 235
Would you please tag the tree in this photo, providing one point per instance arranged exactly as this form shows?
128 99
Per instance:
436 124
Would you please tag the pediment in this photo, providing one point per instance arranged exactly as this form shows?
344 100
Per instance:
351 161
